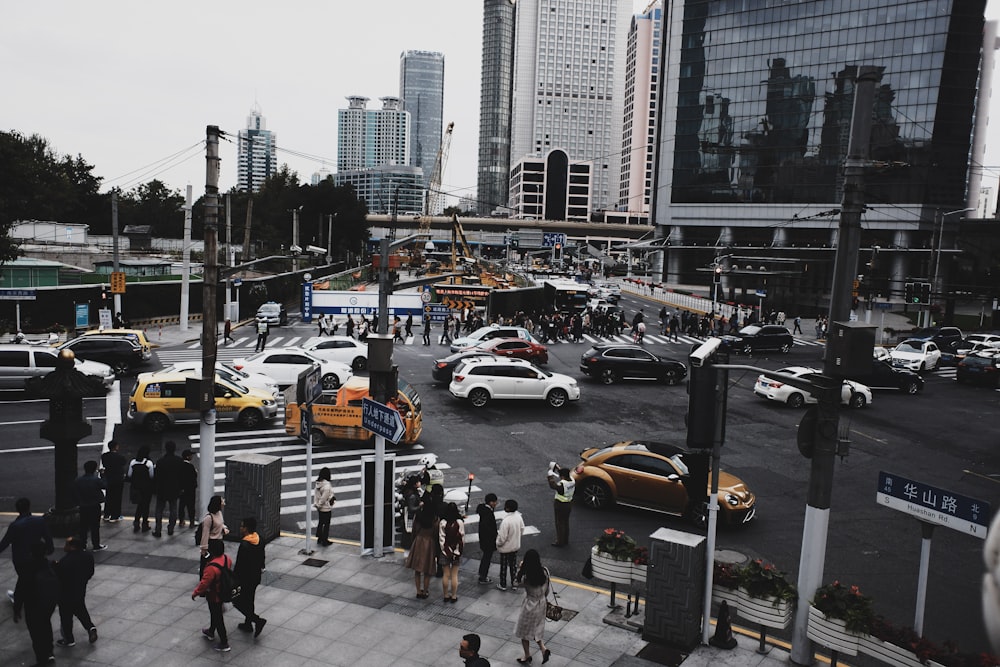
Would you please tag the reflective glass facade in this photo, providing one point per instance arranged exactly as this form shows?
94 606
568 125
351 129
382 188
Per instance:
760 111
494 105
421 87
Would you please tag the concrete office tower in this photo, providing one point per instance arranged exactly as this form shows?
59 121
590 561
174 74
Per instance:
753 135
372 138
421 90
569 85
495 106
642 75
256 149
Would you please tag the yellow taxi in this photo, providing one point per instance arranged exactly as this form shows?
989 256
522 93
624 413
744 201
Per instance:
159 400
137 335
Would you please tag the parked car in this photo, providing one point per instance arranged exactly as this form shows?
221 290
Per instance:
483 379
285 363
657 476
489 332
138 335
122 354
853 394
344 349
19 362
884 375
612 362
755 338
979 368
273 313
517 348
159 399
443 368
916 354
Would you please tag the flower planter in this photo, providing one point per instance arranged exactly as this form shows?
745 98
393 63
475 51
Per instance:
638 575
832 633
730 595
887 652
610 570
769 612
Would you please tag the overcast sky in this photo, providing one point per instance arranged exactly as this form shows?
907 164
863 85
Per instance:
131 85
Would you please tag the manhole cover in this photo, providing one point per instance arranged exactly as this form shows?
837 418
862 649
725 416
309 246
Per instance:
315 562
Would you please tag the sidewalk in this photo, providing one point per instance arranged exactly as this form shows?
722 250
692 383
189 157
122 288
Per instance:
337 608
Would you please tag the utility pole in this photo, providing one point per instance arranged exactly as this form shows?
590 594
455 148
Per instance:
186 261
296 248
329 238
231 257
812 558
383 388
209 324
114 245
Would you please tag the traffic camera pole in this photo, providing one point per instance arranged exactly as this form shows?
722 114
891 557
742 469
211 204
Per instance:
380 369
825 440
209 340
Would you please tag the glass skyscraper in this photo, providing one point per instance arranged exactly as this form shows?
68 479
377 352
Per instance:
256 153
756 113
494 105
421 88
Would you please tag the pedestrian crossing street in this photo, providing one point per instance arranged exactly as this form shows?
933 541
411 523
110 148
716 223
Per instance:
345 468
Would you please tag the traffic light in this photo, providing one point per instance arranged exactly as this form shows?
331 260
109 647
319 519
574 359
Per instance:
717 276
924 295
908 293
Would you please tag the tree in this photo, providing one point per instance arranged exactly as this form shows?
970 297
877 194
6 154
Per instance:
155 205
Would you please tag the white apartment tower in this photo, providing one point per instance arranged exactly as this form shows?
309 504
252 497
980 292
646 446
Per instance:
256 148
372 138
642 60
569 86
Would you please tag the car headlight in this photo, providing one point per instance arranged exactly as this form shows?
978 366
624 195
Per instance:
732 499
267 402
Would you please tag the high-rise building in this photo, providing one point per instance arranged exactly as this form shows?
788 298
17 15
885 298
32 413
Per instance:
495 105
756 111
386 190
421 89
642 77
569 86
256 149
372 138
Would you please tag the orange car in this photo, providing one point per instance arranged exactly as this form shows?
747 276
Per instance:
658 476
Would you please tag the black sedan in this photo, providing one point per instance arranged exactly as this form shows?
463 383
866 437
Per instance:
755 338
886 376
443 368
611 362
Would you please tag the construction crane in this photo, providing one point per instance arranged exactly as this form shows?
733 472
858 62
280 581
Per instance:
432 199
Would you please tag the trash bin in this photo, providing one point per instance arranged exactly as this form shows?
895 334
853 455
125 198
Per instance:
253 488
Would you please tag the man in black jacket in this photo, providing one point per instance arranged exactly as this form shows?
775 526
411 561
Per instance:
21 534
89 491
189 485
114 465
487 535
249 565
74 570
36 595
167 482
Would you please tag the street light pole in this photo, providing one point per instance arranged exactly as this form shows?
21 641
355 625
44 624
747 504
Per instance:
935 288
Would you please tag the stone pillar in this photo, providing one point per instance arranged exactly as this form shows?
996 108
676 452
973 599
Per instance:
672 256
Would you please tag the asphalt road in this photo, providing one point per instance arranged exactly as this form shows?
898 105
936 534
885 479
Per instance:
946 437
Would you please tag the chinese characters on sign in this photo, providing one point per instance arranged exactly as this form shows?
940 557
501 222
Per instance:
934 505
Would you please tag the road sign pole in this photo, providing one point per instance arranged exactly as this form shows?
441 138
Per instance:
927 530
307 547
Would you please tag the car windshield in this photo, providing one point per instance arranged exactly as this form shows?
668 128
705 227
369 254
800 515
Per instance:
750 330
910 346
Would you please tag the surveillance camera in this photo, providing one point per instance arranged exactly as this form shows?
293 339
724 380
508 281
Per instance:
294 249
316 250
704 352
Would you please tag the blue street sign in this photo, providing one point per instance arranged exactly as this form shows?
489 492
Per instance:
934 505
381 420
550 239
7 294
883 305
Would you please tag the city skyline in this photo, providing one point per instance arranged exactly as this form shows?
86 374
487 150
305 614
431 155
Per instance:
134 102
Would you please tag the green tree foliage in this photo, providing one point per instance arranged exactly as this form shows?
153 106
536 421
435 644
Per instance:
153 204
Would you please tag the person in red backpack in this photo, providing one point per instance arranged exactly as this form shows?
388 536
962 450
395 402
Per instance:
209 588
451 537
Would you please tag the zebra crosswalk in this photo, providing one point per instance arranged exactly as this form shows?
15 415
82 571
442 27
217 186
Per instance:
345 474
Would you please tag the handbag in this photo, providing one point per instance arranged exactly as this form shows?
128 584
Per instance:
553 611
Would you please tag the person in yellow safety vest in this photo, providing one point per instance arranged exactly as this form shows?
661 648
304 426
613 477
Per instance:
431 475
562 482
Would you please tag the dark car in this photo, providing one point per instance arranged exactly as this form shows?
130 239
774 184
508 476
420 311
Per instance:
979 368
943 336
755 337
443 368
122 354
610 363
886 376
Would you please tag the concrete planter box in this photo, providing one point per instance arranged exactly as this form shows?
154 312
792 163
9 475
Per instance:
888 653
639 575
763 611
610 570
730 595
832 633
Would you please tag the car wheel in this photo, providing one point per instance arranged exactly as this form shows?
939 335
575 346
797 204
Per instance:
120 368
596 495
912 387
331 381
317 436
697 513
747 350
858 400
959 379
251 418
557 398
479 398
607 376
786 348
359 364
796 400
157 423
671 378
923 367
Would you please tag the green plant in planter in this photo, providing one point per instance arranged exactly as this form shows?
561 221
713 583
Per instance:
847 604
764 580
726 575
616 544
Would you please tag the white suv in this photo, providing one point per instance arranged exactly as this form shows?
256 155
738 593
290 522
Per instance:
481 379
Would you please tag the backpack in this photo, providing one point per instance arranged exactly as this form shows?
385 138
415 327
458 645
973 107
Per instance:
227 586
452 540
140 475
